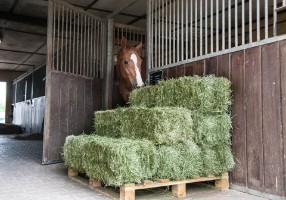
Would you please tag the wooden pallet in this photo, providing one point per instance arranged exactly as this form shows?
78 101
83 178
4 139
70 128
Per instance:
127 191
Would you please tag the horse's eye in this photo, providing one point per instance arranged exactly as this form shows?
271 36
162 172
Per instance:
125 62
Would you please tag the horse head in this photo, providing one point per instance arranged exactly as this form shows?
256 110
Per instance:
128 68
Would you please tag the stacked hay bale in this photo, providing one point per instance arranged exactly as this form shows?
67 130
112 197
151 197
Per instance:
176 129
209 99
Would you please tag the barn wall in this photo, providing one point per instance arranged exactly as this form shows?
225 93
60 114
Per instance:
8 77
258 78
70 110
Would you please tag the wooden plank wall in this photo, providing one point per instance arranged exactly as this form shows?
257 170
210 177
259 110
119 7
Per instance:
73 101
258 77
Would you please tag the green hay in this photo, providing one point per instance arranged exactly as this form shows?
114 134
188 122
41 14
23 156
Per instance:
161 125
113 161
217 160
179 161
203 94
73 151
211 129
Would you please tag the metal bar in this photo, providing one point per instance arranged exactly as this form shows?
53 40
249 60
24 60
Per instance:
162 33
66 39
70 41
88 47
187 28
201 27
243 23
58 37
266 18
250 21
206 26
170 31
217 26
49 37
236 24
149 38
275 16
212 33
191 25
97 48
182 30
156 35
229 24
258 19
174 31
62 40
77 45
81 45
159 35
166 32
223 25
196 28
178 31
94 49
84 46
54 35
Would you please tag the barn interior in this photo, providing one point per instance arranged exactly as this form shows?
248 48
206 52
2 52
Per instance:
52 94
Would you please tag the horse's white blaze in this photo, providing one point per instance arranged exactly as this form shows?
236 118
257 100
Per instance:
140 83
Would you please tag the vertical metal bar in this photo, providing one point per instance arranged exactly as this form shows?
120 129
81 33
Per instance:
49 38
74 41
191 25
178 30
266 18
182 30
54 35
77 44
217 26
236 24
275 16
94 49
243 23
81 45
196 28
229 24
206 27
250 21
187 28
88 47
223 25
201 27
166 32
258 20
149 38
212 27
97 48
151 44
66 39
156 34
70 40
91 48
62 39
174 31
58 37
159 33
170 31
84 45
162 33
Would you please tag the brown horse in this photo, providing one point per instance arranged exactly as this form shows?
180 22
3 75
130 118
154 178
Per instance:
128 68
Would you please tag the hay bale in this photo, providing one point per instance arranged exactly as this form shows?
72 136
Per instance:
217 160
211 129
114 161
179 161
161 125
10 129
203 94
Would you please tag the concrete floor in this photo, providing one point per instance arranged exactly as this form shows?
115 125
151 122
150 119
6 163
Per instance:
22 177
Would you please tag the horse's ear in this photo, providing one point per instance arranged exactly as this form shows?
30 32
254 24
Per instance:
139 46
123 42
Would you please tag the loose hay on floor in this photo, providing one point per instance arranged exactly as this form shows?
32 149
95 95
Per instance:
113 161
203 94
161 125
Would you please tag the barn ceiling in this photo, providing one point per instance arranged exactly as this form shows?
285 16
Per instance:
23 27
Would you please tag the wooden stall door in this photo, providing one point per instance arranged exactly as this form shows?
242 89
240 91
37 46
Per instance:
73 75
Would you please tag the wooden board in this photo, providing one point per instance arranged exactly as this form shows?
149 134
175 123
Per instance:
127 191
199 68
282 48
189 69
172 72
253 94
180 71
239 174
211 66
272 131
223 65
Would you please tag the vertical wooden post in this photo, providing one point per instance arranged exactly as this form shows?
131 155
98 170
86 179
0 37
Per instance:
179 190
223 183
127 192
